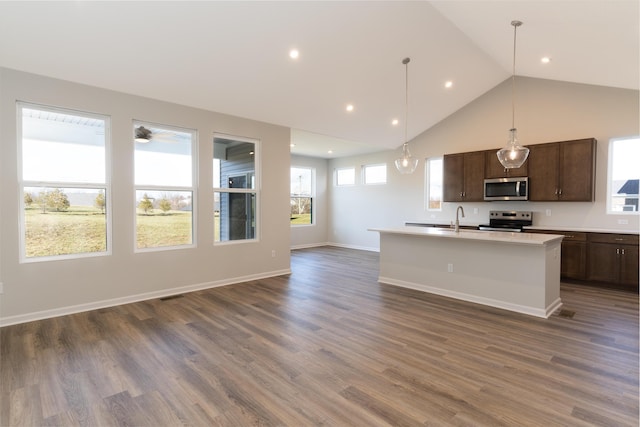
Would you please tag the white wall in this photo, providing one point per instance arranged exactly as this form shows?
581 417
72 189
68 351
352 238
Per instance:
546 111
316 234
42 289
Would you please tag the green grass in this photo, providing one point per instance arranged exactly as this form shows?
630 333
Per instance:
79 230
159 229
301 219
82 229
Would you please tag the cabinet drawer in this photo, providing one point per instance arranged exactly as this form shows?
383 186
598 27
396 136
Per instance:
574 237
568 235
619 239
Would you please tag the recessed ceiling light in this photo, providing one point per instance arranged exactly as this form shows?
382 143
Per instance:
448 84
330 151
395 122
292 145
545 59
350 107
294 54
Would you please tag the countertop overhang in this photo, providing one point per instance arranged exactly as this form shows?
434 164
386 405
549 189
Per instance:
477 235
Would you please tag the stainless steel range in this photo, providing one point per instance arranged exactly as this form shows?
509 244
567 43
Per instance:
512 221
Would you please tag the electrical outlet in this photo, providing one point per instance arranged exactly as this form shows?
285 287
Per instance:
475 211
273 253
548 212
623 221
450 268
1 288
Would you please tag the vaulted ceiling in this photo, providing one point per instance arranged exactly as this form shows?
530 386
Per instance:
233 57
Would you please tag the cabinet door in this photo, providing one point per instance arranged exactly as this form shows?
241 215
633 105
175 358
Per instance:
629 266
453 177
603 262
573 260
577 170
473 177
543 172
494 169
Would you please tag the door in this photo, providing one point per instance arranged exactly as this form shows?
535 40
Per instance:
576 182
543 172
241 209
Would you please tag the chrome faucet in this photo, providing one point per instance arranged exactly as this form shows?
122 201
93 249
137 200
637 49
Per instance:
458 209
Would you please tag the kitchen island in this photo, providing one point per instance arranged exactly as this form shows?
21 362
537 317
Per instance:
513 271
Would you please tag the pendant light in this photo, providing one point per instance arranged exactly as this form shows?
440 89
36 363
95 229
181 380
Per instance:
406 164
513 155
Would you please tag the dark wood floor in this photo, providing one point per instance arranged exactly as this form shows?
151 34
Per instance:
326 345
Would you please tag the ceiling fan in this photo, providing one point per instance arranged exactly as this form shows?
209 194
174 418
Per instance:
144 135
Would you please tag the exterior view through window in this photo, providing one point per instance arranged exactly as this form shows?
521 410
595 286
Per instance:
624 175
434 184
164 186
235 188
302 189
64 185
375 174
345 176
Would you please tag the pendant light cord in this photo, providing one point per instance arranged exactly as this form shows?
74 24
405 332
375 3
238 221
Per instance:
405 61
515 24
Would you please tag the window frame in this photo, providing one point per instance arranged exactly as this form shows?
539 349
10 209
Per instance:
256 190
312 195
610 171
45 184
374 165
167 188
427 183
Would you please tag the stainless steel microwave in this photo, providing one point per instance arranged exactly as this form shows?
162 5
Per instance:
506 188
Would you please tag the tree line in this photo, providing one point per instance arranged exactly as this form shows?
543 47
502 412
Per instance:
56 200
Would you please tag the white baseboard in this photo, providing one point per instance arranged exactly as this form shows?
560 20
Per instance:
360 248
63 311
531 311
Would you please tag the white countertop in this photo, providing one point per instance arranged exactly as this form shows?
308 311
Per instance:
578 229
488 236
545 227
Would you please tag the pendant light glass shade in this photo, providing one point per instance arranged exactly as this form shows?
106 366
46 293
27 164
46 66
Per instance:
406 164
513 155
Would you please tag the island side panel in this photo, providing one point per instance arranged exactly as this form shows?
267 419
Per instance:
511 276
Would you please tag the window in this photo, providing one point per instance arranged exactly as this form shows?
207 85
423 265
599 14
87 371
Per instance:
433 185
235 182
375 174
345 176
302 192
163 186
623 176
64 185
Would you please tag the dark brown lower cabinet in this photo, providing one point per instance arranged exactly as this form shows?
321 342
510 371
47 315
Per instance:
573 259
613 260
603 259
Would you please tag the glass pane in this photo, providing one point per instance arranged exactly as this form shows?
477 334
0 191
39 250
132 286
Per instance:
163 218
625 175
345 176
165 158
62 147
434 183
301 210
234 216
375 174
301 184
233 164
64 221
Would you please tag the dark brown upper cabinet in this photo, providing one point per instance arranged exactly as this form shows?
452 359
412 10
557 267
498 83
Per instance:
494 169
562 171
463 176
